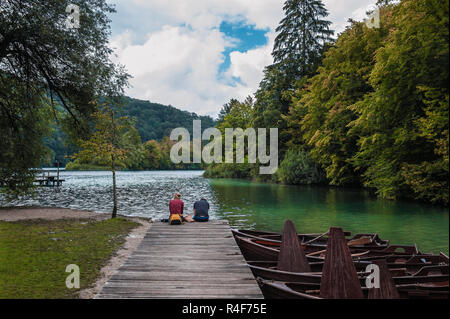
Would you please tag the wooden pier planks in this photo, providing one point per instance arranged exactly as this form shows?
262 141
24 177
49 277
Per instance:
193 261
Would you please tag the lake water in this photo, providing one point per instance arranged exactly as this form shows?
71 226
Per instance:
252 205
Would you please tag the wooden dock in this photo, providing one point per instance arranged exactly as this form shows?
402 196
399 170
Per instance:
190 261
46 179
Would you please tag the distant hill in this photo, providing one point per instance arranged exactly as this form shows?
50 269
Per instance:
153 121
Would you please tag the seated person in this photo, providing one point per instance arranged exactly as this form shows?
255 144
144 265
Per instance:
201 209
176 206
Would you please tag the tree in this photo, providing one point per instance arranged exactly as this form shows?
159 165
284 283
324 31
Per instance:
429 179
132 143
401 124
153 155
302 34
22 132
321 111
273 98
104 146
41 57
297 168
234 114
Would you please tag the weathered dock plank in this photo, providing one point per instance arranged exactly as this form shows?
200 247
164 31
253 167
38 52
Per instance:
194 261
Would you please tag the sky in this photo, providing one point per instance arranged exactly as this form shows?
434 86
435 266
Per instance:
198 54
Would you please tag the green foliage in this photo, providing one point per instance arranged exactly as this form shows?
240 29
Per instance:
298 168
301 36
321 111
410 80
272 101
154 155
106 146
117 137
136 152
429 179
76 165
41 57
224 170
297 51
22 131
234 114
155 121
152 121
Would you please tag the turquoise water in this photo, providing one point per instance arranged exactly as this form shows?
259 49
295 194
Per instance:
252 205
315 209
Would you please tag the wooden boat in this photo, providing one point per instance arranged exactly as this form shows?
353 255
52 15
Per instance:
317 239
311 266
288 290
427 274
407 269
362 243
339 278
268 250
399 269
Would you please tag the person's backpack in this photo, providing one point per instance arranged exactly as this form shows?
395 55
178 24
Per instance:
175 219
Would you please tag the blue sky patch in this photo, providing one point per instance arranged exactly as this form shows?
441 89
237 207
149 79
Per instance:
247 37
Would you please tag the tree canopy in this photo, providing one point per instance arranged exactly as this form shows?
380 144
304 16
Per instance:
44 64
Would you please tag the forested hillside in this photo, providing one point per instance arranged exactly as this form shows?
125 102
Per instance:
153 121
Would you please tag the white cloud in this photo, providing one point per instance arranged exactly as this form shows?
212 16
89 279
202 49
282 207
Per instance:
342 10
175 66
248 66
177 62
209 13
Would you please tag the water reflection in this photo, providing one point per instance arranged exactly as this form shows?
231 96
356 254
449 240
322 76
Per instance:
315 209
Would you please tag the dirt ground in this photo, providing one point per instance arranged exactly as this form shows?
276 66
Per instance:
48 213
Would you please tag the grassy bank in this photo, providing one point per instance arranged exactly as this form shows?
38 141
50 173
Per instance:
34 254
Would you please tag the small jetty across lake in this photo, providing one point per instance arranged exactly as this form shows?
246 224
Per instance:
193 261
48 180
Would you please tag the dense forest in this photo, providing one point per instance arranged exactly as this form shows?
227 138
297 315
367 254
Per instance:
368 109
153 122
131 153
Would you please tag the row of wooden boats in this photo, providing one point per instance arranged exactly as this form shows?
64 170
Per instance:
335 264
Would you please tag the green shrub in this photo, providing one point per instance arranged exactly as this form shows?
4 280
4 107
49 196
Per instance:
298 168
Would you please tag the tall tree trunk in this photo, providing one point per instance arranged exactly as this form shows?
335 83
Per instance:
113 166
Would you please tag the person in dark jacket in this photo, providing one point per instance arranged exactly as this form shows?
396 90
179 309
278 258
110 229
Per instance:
201 209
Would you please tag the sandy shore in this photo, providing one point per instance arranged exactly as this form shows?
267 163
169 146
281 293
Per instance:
132 241
48 213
